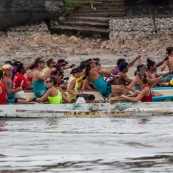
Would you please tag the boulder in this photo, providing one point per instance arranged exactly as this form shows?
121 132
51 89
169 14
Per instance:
17 12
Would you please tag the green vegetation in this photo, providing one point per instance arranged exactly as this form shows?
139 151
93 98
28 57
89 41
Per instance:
71 5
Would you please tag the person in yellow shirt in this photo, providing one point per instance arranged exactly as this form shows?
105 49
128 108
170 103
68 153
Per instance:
81 78
72 87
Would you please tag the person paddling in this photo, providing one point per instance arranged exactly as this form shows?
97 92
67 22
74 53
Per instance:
7 69
38 78
146 94
95 76
53 94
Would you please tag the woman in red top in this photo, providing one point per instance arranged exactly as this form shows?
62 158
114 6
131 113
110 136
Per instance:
145 95
3 96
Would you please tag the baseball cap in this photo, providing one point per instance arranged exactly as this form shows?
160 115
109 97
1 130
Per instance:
61 62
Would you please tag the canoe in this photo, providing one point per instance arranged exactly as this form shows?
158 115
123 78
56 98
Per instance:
166 91
90 109
167 94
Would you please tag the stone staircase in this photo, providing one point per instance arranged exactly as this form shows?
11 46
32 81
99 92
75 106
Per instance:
91 18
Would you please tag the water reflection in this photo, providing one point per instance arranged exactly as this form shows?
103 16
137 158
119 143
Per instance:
87 145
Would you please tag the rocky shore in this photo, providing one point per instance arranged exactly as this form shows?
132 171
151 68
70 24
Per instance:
28 42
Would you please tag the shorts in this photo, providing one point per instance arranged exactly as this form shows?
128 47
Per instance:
12 100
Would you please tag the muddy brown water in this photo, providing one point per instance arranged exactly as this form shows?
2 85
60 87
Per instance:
79 145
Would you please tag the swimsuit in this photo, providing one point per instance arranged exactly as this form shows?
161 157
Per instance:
39 88
104 88
56 99
147 98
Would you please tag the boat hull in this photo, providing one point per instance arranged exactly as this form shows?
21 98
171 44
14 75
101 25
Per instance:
167 94
85 110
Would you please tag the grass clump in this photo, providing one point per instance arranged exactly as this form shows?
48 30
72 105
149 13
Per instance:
71 5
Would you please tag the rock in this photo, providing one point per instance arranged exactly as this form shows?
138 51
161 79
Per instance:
15 12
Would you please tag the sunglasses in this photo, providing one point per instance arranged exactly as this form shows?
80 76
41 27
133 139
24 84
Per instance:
48 81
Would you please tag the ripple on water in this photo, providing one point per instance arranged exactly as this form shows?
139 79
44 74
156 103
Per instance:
87 145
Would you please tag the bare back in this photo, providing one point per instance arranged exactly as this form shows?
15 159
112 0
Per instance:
36 75
123 79
170 63
93 74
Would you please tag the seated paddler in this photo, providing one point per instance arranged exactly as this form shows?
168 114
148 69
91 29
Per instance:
95 75
38 78
53 94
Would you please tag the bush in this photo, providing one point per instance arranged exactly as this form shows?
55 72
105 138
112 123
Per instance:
71 5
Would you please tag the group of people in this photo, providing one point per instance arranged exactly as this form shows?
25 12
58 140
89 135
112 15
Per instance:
49 84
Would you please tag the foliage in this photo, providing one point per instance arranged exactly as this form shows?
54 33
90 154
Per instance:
71 5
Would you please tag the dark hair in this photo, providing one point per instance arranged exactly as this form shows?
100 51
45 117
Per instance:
138 68
58 70
20 67
16 63
75 70
150 63
53 79
85 62
143 77
37 61
1 74
32 67
49 61
119 61
82 66
8 62
96 59
123 65
169 50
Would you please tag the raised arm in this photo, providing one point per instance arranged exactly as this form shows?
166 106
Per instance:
132 62
46 75
164 65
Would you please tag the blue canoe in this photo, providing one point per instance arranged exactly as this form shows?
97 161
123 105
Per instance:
167 94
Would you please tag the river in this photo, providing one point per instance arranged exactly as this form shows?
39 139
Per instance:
79 145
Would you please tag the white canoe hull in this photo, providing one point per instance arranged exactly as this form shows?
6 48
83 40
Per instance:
92 109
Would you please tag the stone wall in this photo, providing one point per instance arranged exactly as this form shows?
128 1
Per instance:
19 12
139 27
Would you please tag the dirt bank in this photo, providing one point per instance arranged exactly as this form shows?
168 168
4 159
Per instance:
27 44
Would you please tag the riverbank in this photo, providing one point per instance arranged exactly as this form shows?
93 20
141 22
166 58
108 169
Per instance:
29 42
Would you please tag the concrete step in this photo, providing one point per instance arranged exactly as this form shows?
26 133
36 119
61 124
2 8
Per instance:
79 28
104 14
86 23
101 7
98 11
85 18
105 1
